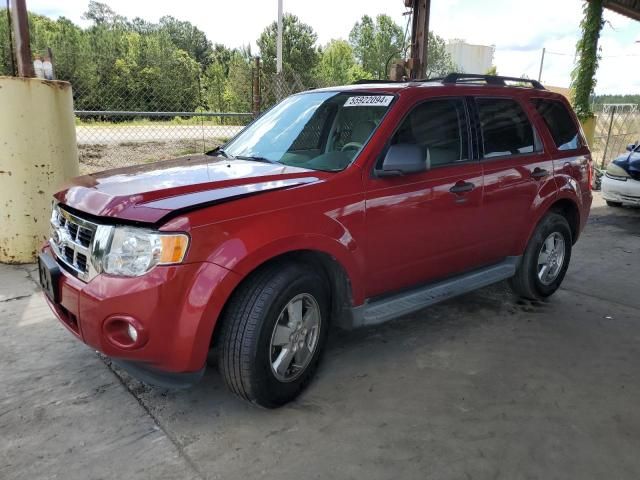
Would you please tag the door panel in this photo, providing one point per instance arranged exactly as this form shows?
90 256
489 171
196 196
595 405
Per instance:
417 230
515 169
426 226
512 186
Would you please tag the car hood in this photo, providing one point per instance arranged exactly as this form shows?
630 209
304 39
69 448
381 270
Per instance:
630 162
149 193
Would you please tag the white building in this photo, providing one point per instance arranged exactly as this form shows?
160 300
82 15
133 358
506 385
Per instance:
470 58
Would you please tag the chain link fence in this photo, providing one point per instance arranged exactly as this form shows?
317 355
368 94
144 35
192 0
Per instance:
111 139
142 115
147 109
617 125
274 87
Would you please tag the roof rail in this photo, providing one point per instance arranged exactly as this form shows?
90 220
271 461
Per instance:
364 81
489 79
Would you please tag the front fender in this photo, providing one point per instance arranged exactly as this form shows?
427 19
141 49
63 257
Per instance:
243 244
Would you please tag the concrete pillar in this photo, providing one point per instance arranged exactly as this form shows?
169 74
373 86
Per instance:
38 153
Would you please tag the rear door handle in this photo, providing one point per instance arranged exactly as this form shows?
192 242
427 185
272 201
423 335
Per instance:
462 187
539 173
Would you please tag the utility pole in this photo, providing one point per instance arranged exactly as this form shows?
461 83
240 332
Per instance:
21 43
279 40
419 37
257 99
541 64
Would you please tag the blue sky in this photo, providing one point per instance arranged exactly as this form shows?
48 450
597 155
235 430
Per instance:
518 30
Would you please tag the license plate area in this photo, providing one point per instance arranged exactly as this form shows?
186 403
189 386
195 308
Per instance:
49 274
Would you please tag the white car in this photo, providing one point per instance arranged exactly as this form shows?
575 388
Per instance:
621 181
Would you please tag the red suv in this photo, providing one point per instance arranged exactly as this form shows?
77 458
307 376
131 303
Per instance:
346 206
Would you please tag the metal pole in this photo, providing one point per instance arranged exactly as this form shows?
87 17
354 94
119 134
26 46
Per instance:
53 66
256 88
279 39
606 145
20 27
420 38
541 64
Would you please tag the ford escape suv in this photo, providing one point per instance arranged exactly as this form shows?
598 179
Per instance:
343 206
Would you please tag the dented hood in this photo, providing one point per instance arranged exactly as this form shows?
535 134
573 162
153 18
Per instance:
149 193
630 162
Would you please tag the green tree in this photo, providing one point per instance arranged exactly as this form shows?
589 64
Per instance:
299 53
189 38
338 65
439 62
377 44
583 76
238 87
5 44
216 75
101 14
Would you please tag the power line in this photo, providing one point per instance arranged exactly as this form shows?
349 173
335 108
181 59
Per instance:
603 56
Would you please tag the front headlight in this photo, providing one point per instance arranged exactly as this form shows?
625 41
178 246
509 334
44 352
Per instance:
135 251
617 172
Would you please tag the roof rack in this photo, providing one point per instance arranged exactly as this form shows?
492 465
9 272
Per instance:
364 81
454 78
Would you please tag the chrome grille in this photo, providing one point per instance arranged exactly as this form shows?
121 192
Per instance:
71 241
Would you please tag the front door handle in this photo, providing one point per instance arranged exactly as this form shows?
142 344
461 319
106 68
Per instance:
539 173
462 187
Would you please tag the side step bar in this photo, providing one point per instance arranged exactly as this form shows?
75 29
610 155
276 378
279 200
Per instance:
385 309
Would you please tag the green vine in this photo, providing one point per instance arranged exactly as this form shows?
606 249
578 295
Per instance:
583 76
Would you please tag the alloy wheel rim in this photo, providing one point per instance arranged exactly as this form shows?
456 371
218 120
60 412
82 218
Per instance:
551 258
294 339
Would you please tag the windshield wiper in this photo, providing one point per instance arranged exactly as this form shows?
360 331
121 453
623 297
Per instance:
218 151
256 159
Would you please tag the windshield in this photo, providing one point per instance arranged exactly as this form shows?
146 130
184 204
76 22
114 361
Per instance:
317 130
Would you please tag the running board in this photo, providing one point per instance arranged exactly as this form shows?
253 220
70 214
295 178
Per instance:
385 309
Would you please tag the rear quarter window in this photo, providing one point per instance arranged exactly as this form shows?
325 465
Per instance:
506 129
563 129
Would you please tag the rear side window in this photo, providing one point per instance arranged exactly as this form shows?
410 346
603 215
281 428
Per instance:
506 129
559 122
440 127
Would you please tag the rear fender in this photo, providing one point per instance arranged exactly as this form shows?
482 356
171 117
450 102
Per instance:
547 195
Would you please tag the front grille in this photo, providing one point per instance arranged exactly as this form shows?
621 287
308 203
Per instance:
81 261
69 254
85 236
71 240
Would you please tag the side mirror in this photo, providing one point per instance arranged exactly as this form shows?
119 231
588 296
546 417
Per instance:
402 159
631 147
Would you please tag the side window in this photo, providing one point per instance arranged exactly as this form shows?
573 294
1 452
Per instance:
506 130
559 122
440 127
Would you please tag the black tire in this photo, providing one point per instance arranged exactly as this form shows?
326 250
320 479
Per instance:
614 204
248 325
526 282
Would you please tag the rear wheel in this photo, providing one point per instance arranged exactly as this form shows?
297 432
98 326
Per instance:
614 204
545 260
274 330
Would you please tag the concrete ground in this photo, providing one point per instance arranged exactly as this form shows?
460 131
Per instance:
483 386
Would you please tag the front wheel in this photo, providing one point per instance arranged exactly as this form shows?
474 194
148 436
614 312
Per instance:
545 260
274 330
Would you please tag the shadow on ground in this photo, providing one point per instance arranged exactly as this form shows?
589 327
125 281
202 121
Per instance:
483 386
